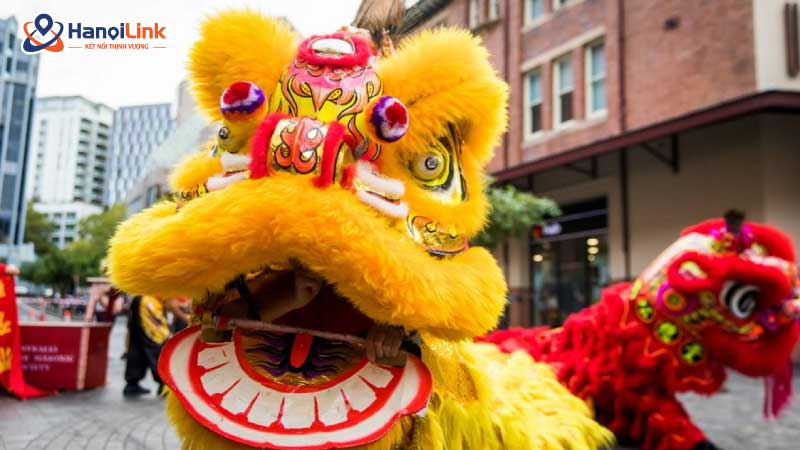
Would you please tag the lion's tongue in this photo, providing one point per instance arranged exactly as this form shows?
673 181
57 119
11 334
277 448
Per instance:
301 346
778 390
328 312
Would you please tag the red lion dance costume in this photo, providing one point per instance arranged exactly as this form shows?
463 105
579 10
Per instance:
720 296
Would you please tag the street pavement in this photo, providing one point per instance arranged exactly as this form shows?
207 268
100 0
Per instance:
101 419
98 419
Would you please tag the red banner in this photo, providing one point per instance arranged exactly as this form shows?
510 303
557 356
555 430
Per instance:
11 377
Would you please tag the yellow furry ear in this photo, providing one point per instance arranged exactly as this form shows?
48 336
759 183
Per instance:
444 76
239 46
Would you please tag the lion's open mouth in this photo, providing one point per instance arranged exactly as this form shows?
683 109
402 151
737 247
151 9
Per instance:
313 341
247 380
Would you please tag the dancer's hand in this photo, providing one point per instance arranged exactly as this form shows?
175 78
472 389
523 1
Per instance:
383 345
306 288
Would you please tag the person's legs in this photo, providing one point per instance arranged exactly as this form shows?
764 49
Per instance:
136 367
151 353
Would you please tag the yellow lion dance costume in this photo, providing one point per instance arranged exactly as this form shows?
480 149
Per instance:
361 172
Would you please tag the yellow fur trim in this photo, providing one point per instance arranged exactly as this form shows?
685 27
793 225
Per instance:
195 170
238 46
255 223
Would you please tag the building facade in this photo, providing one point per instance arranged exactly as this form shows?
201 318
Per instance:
67 173
191 132
640 117
137 131
18 75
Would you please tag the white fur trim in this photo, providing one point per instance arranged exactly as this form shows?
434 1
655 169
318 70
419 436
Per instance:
232 162
219 183
378 183
396 210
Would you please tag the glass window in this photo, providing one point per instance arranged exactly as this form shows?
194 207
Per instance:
22 65
11 42
5 229
564 86
559 3
8 65
534 10
494 9
7 196
595 78
16 129
474 13
569 261
533 108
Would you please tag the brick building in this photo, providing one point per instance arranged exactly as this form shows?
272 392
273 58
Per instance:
639 117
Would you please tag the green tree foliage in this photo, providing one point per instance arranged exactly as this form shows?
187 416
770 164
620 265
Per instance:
512 214
51 269
64 269
94 232
38 229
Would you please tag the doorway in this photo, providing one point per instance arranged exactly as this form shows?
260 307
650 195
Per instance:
569 261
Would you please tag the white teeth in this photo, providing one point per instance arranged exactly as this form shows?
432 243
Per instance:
396 210
380 192
390 187
232 162
219 183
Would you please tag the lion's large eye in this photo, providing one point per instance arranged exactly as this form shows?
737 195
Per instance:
740 299
430 167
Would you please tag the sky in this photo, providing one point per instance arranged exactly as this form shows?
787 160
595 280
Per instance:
120 78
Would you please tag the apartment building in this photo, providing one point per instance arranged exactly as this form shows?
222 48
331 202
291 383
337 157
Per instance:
136 133
68 170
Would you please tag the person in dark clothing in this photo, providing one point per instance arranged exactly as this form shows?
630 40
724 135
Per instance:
148 329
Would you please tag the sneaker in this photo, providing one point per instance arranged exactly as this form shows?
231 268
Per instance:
134 390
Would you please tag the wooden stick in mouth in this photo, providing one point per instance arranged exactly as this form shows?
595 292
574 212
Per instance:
410 344
225 323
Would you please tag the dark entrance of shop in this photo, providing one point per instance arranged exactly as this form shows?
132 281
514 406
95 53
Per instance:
569 261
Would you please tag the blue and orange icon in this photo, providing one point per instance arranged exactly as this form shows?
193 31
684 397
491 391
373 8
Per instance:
39 39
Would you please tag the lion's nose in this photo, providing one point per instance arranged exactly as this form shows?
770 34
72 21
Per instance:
301 146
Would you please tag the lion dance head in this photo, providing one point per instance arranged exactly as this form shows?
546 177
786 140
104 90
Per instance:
725 295
361 170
